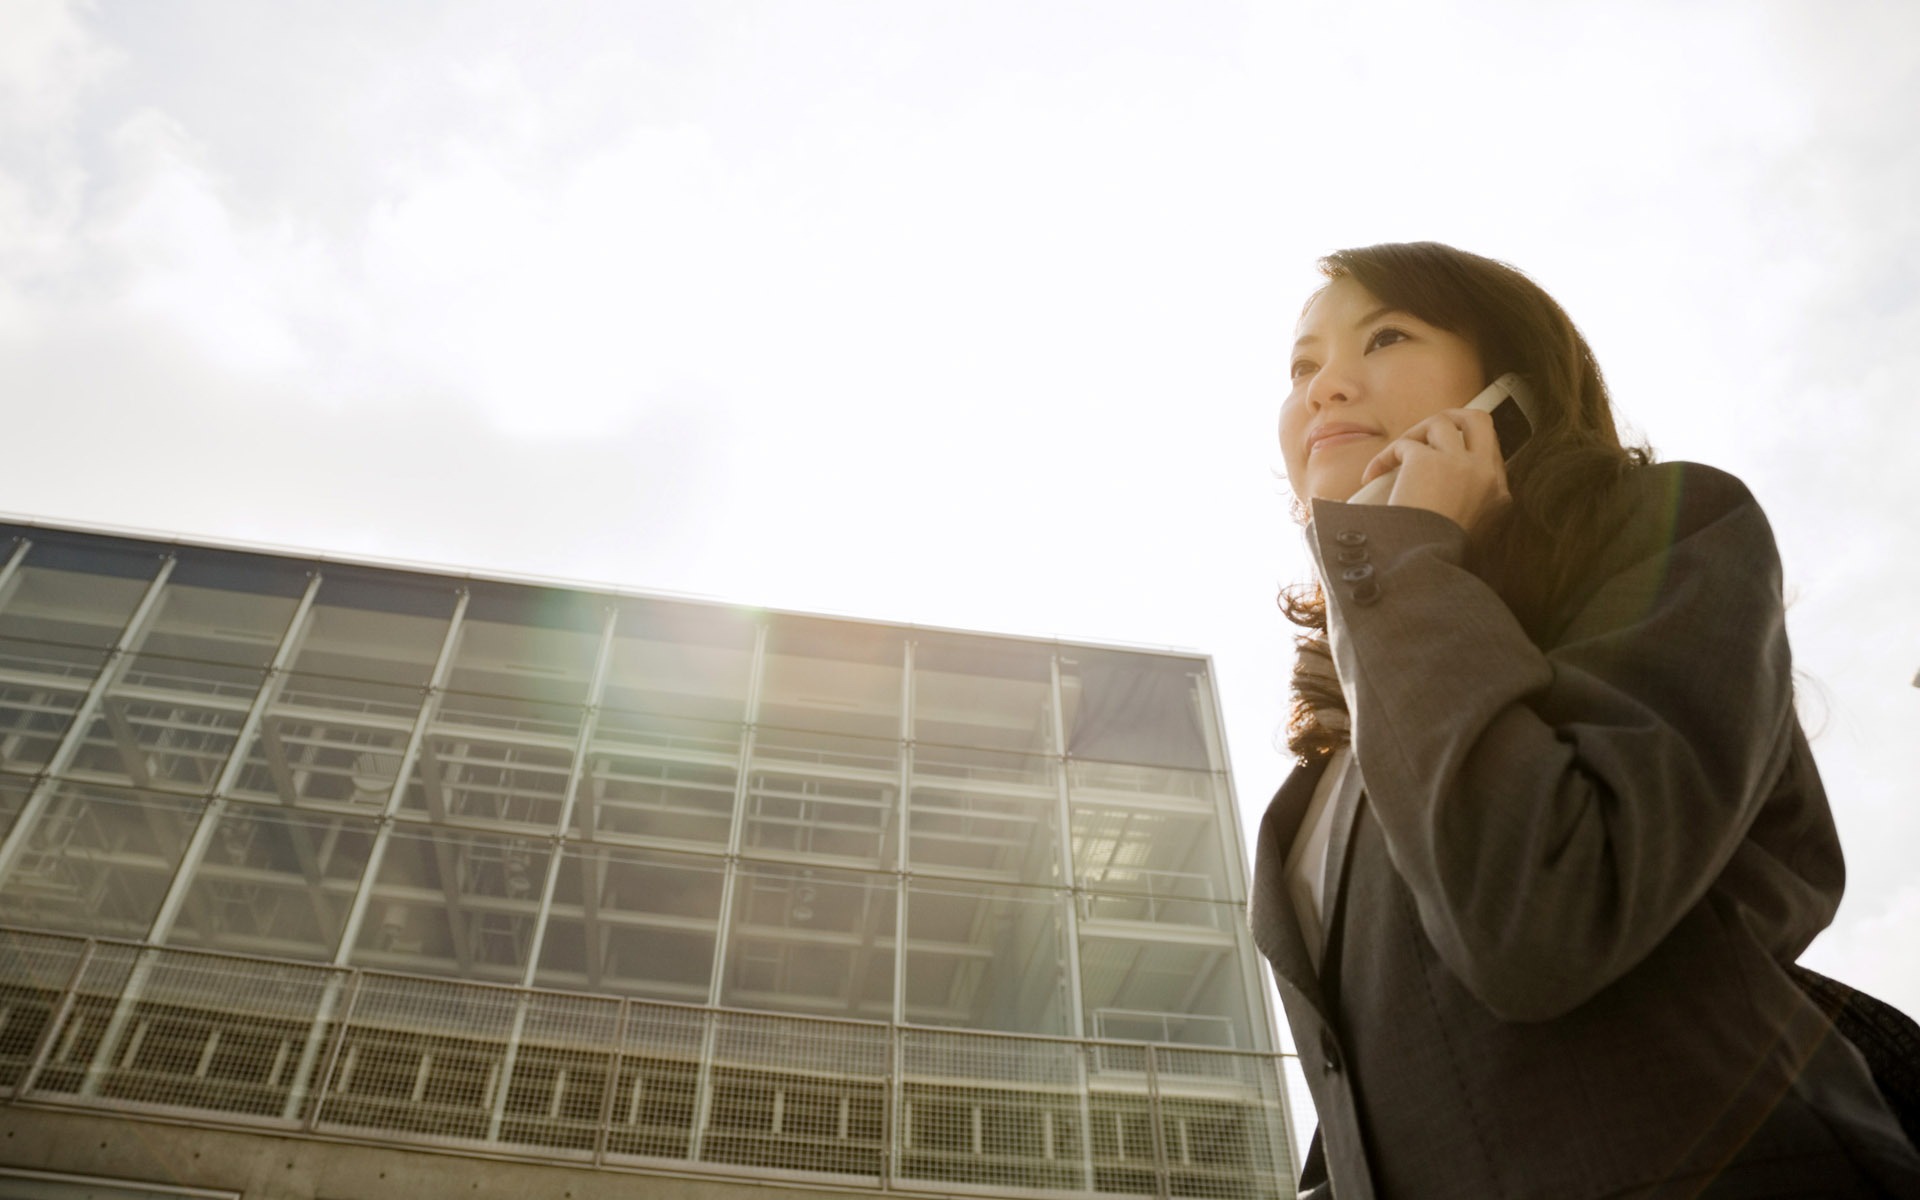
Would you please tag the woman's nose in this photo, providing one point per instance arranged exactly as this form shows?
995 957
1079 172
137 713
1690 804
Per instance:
1331 384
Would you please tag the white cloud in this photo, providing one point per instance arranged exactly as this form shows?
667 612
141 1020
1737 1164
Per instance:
966 314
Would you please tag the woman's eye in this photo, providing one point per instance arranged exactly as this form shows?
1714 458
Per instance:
1386 337
1301 367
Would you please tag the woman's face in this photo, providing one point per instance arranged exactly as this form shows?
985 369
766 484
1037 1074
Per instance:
1363 374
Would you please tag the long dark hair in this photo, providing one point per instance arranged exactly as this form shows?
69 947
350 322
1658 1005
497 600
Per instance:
1563 480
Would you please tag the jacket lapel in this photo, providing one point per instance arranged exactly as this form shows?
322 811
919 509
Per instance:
1276 930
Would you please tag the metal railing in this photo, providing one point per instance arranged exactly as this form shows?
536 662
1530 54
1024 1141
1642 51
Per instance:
369 1056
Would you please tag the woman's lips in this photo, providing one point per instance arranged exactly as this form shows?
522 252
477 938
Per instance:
1336 435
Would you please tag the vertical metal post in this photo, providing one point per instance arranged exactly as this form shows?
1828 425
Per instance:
903 872
903 877
710 1032
363 896
197 842
556 843
334 987
76 735
1162 1168
615 1054
1076 1000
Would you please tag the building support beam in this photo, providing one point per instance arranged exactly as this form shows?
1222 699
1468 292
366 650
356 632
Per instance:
303 1079
703 1083
1076 997
556 848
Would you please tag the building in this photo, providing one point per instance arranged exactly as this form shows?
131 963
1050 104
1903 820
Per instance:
485 886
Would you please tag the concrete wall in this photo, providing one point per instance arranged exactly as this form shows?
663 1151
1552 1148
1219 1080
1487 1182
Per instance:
269 1167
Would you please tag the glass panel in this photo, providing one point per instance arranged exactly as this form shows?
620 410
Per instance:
983 957
228 626
809 939
529 662
490 778
13 798
33 718
1136 708
1184 993
154 738
375 630
98 861
656 792
992 818
275 883
1159 862
801 810
515 717
985 693
448 902
837 677
633 921
317 757
65 608
689 661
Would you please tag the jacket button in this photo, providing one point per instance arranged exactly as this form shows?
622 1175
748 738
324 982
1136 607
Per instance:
1350 537
1366 593
1358 573
1351 554
1329 1053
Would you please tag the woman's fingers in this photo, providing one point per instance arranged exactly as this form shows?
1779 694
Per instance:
1449 463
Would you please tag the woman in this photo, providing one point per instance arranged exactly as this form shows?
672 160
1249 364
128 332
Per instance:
1556 831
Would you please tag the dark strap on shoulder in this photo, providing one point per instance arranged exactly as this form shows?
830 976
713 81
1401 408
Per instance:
1886 1037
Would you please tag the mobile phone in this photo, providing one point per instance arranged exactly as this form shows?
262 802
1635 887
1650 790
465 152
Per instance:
1512 404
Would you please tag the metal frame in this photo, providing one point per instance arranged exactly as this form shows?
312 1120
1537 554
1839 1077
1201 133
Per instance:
335 1009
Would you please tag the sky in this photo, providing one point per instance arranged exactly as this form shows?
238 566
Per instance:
971 315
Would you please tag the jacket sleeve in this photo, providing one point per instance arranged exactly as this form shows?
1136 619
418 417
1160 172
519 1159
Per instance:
1556 812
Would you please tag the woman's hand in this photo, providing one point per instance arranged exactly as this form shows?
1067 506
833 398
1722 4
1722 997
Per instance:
1450 464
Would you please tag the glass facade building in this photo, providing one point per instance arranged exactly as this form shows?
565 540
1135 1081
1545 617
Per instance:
388 857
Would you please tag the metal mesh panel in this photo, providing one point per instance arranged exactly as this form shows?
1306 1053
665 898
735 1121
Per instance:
557 1093
34 970
1120 1137
1000 1112
1220 1125
77 1037
655 1090
209 1032
797 1095
420 1057
549 1075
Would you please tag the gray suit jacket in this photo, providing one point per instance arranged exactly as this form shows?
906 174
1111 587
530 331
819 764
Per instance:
1558 914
